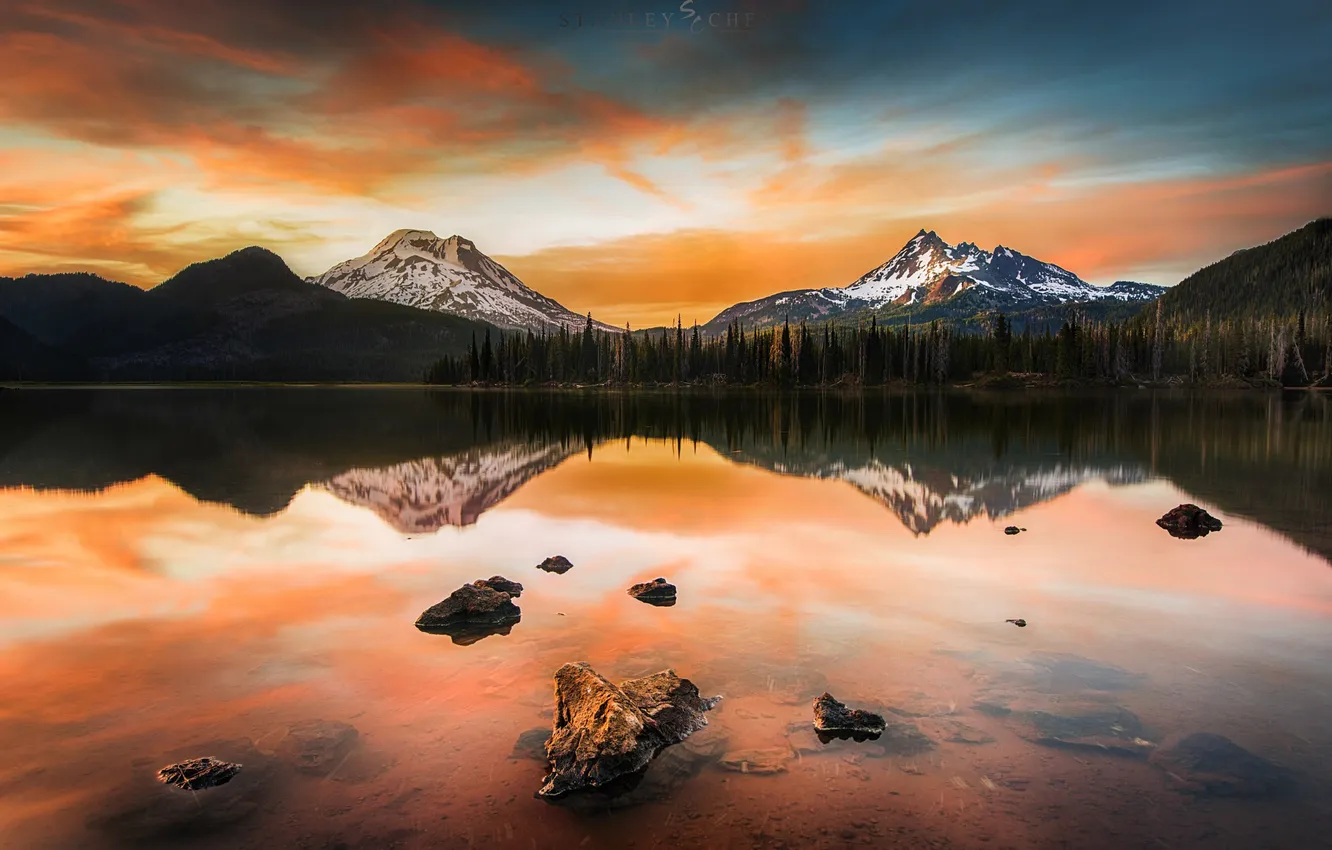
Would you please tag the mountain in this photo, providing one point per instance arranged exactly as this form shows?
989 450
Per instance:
1279 278
417 268
245 316
929 278
424 495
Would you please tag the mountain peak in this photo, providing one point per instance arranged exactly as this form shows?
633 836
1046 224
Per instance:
419 269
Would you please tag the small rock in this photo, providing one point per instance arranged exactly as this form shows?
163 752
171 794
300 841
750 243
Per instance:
1013 529
1189 522
558 565
833 718
1020 623
502 584
470 613
198 774
1215 766
655 592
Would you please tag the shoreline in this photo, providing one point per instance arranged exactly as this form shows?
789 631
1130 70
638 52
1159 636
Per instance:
1038 383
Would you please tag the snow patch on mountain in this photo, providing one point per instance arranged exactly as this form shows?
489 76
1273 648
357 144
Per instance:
929 271
427 494
418 269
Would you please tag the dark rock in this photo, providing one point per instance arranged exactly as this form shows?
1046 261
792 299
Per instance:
147 810
198 773
1189 522
604 733
558 565
531 744
1020 623
502 584
655 592
1213 765
318 746
1013 529
834 718
470 613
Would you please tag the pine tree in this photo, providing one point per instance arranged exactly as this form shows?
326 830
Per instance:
1158 344
473 360
487 358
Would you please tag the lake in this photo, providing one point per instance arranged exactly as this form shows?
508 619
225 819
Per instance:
236 572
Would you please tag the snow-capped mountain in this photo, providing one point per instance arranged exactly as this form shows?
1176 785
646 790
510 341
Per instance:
417 268
427 494
923 497
928 272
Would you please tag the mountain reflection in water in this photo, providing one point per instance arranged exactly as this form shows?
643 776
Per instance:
236 573
423 460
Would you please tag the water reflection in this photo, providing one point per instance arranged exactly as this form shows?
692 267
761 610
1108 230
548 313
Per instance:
422 461
181 578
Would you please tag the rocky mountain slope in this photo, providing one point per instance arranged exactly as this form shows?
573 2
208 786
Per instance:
418 269
928 277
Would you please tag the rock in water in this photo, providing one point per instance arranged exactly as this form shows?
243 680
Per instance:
558 565
604 734
833 718
1012 529
1189 522
471 612
1213 765
198 774
655 592
502 584
317 747
1020 623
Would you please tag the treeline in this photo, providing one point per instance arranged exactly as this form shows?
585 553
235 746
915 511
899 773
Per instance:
1294 352
1289 273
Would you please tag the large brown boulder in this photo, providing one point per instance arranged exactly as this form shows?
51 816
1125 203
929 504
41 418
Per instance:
1189 522
604 734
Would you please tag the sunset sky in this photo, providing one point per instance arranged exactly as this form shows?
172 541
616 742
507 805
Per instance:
639 171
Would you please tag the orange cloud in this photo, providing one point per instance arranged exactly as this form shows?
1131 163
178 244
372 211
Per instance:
1094 231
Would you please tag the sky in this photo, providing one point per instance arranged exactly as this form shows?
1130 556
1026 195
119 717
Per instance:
643 168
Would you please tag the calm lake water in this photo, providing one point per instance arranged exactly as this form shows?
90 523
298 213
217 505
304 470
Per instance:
235 573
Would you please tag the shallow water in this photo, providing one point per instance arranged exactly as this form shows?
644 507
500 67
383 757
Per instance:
203 573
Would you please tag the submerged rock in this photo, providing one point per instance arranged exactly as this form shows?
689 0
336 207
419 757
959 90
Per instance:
318 746
502 584
1110 730
531 744
763 762
557 564
199 773
1020 623
656 592
834 718
1189 522
604 733
470 613
1213 765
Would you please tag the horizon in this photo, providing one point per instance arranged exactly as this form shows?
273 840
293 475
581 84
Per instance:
638 172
